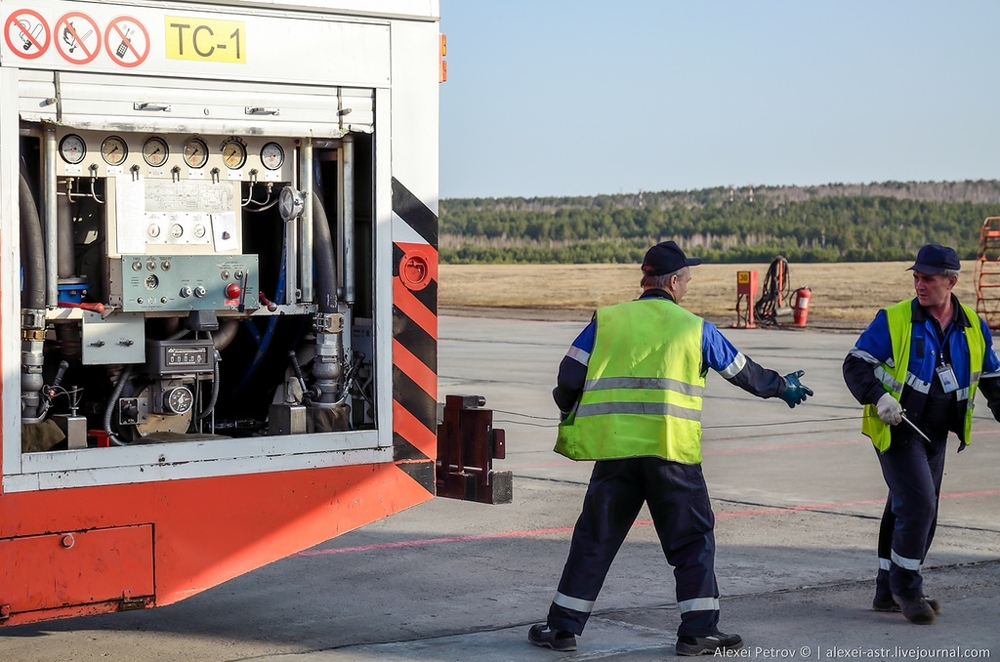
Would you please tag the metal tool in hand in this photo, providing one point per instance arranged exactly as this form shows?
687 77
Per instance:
915 428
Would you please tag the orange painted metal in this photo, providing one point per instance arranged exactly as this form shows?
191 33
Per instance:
206 530
76 568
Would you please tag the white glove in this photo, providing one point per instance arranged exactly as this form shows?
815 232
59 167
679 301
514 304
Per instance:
889 410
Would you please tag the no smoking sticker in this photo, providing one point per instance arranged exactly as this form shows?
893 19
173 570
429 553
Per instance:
78 39
27 34
126 41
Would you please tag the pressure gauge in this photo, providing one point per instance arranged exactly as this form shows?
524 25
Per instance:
195 153
178 400
155 152
234 154
114 150
291 204
72 149
272 156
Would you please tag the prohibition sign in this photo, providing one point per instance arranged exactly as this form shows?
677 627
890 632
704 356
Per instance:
79 38
126 41
27 34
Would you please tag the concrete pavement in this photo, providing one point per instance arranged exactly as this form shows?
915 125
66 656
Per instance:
797 494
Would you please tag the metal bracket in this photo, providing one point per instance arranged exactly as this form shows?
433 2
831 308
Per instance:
328 322
467 445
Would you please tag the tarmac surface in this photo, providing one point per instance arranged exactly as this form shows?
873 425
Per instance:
797 493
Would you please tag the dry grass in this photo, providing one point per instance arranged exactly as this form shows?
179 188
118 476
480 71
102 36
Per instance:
846 293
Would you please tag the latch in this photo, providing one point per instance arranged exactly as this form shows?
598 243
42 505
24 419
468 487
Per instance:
148 105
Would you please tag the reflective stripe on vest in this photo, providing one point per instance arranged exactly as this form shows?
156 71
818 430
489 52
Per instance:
644 387
900 319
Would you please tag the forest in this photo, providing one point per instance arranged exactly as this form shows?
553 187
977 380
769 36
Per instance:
832 223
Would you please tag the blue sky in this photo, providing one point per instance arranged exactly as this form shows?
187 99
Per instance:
579 97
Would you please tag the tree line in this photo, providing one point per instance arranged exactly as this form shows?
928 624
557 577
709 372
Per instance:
710 225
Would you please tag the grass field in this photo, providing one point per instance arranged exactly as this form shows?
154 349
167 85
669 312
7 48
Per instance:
845 294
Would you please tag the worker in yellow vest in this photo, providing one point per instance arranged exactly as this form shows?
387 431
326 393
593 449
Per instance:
916 369
630 389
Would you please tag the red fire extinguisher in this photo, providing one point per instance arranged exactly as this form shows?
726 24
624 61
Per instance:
800 311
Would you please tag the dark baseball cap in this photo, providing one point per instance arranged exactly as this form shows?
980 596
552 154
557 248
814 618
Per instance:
665 258
935 258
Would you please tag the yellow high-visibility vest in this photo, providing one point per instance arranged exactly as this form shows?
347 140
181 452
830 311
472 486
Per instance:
644 386
895 376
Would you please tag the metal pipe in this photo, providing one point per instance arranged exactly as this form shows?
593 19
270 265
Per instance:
67 263
51 221
348 229
306 168
292 247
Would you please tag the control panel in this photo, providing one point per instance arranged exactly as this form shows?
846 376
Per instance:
220 158
151 283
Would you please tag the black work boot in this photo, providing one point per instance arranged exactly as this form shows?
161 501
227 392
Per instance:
712 644
888 604
917 610
558 640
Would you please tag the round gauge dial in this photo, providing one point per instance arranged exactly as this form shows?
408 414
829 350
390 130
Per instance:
272 156
114 150
179 400
195 153
234 154
155 152
72 149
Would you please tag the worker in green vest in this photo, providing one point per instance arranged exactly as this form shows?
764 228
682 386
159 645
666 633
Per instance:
630 389
916 369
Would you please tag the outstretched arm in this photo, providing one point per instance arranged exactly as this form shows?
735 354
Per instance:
739 369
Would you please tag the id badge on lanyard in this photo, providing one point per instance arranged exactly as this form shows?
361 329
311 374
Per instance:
946 374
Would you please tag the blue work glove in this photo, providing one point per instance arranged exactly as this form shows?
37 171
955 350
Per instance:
795 391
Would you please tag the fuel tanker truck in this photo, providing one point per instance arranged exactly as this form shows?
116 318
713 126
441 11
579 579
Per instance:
218 292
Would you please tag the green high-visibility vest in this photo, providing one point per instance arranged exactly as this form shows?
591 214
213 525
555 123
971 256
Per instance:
644 386
893 377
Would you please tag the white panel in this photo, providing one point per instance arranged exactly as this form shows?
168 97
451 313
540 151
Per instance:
10 303
149 473
415 109
383 262
108 103
413 9
314 49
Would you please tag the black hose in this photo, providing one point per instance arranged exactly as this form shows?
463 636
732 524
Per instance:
32 249
112 401
326 262
765 310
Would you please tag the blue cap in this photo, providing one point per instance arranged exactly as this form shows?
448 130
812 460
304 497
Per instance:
935 258
665 258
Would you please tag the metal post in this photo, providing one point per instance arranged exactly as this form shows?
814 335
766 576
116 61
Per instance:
51 222
348 229
308 250
292 246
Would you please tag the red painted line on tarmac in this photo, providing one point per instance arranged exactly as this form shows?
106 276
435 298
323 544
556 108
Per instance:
646 522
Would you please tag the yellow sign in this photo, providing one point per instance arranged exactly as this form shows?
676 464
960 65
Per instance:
206 40
742 277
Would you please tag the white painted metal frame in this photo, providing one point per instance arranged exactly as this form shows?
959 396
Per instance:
148 463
